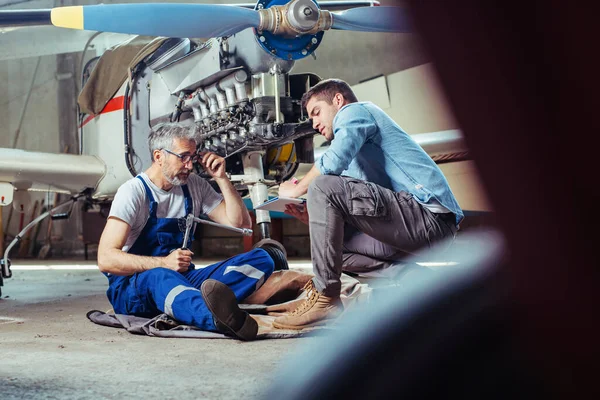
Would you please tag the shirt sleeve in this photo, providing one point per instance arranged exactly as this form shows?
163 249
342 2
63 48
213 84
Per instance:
129 199
352 127
205 197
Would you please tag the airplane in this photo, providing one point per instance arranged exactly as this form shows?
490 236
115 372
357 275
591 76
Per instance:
236 89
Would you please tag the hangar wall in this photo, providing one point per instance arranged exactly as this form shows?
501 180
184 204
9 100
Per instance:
31 115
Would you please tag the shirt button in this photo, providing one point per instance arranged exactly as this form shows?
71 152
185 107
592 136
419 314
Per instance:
419 186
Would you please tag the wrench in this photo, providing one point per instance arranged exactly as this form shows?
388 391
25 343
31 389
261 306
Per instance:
189 223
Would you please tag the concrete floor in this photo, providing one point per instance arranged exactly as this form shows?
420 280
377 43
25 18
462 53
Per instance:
50 350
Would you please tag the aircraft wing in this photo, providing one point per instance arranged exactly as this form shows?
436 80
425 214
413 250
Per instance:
50 172
442 146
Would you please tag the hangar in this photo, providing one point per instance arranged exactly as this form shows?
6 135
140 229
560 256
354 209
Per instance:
86 84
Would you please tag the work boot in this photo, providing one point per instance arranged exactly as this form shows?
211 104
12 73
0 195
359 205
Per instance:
315 310
228 317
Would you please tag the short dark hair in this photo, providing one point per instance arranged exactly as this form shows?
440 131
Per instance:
327 89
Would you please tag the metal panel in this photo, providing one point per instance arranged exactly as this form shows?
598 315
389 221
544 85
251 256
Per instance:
189 72
103 137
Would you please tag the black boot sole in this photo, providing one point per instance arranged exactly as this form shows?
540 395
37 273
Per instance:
229 318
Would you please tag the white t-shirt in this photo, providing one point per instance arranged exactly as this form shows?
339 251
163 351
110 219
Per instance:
132 205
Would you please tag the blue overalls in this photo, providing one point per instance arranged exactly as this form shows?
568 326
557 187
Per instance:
161 290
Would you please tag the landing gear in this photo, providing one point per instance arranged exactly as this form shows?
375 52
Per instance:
254 175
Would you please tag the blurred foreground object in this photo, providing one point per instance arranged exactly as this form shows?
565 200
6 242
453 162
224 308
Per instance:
440 334
521 84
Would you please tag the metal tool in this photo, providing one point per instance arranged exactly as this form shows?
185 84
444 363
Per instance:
189 223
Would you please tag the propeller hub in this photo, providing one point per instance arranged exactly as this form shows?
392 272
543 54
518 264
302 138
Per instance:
302 15
296 18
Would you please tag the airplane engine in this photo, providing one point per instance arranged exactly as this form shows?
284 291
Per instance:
242 101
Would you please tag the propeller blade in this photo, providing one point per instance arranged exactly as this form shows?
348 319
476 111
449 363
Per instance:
158 19
327 5
372 19
14 18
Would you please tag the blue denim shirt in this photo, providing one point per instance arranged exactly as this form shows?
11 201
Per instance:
369 145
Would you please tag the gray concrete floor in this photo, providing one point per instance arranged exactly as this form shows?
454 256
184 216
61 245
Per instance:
50 350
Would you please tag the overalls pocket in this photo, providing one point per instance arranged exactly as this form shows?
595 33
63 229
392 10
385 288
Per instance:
172 241
137 302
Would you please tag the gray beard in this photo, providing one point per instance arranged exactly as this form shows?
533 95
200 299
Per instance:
175 181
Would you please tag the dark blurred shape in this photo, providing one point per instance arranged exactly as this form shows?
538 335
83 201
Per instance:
439 334
521 81
524 89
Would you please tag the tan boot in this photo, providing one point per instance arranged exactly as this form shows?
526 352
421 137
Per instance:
315 310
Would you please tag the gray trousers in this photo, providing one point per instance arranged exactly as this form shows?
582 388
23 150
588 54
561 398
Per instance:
358 226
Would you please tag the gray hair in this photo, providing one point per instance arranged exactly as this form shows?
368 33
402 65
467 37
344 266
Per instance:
162 135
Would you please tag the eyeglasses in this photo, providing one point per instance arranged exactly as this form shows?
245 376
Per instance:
185 158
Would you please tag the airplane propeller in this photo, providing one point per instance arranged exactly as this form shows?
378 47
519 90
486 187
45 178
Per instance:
372 19
296 18
157 19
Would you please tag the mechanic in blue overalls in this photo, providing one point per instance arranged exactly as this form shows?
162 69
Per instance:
141 249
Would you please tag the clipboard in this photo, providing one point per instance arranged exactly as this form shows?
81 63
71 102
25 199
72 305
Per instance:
279 203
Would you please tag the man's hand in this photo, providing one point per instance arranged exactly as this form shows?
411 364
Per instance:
298 211
213 164
179 260
289 189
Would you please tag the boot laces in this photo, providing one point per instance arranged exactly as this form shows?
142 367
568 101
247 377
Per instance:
312 295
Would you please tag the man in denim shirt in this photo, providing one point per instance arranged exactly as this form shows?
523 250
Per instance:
374 197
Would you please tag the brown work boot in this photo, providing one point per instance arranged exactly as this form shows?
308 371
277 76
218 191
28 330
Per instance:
315 310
